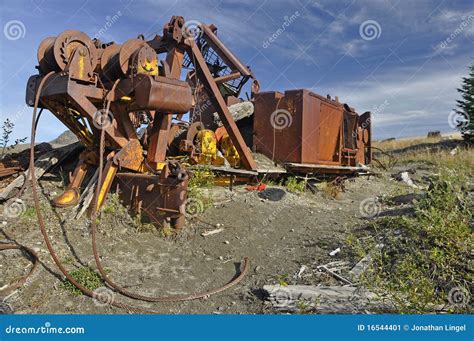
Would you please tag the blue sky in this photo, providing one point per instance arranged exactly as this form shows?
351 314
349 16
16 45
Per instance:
401 60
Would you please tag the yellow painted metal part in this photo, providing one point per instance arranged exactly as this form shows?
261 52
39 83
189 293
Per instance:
70 197
126 98
229 151
206 146
160 165
81 65
109 177
149 67
225 180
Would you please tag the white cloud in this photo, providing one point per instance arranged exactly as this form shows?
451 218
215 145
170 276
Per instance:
407 98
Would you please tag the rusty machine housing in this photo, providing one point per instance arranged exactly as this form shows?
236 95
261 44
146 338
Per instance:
308 132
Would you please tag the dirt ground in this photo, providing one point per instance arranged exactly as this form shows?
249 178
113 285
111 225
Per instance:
278 237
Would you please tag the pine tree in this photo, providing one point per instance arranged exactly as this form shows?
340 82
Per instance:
466 105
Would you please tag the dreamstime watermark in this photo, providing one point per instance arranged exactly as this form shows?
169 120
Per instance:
14 30
459 297
192 29
380 108
110 20
14 208
194 207
198 290
46 329
282 298
288 20
370 30
465 23
375 111
273 215
281 119
103 297
103 119
370 207
199 110
458 120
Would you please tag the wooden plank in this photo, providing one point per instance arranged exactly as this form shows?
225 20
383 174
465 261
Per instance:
42 164
329 299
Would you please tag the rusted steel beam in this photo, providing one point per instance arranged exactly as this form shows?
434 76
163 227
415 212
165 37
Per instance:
162 121
225 53
221 107
227 78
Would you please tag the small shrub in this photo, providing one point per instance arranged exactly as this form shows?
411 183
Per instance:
294 185
85 276
202 177
114 206
29 213
283 280
7 130
198 196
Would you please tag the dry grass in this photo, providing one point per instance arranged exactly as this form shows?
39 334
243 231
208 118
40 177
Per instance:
400 144
408 142
461 158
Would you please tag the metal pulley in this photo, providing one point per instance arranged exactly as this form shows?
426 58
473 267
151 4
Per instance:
56 53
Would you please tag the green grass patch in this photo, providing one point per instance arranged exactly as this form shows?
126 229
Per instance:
199 198
113 206
294 185
85 276
29 213
425 256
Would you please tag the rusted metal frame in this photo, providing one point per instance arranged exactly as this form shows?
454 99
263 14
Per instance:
80 95
66 119
123 120
226 78
341 140
366 120
9 171
224 52
130 156
158 44
162 121
166 194
221 107
88 109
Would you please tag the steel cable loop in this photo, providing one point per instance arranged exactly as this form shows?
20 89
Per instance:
103 273
34 259
61 267
42 225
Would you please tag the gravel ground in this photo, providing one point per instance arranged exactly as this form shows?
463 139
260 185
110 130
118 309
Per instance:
278 237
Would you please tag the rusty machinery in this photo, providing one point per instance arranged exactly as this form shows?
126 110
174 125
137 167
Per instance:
310 133
133 93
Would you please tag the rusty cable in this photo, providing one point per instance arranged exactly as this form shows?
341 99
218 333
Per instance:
18 283
103 273
65 272
42 225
